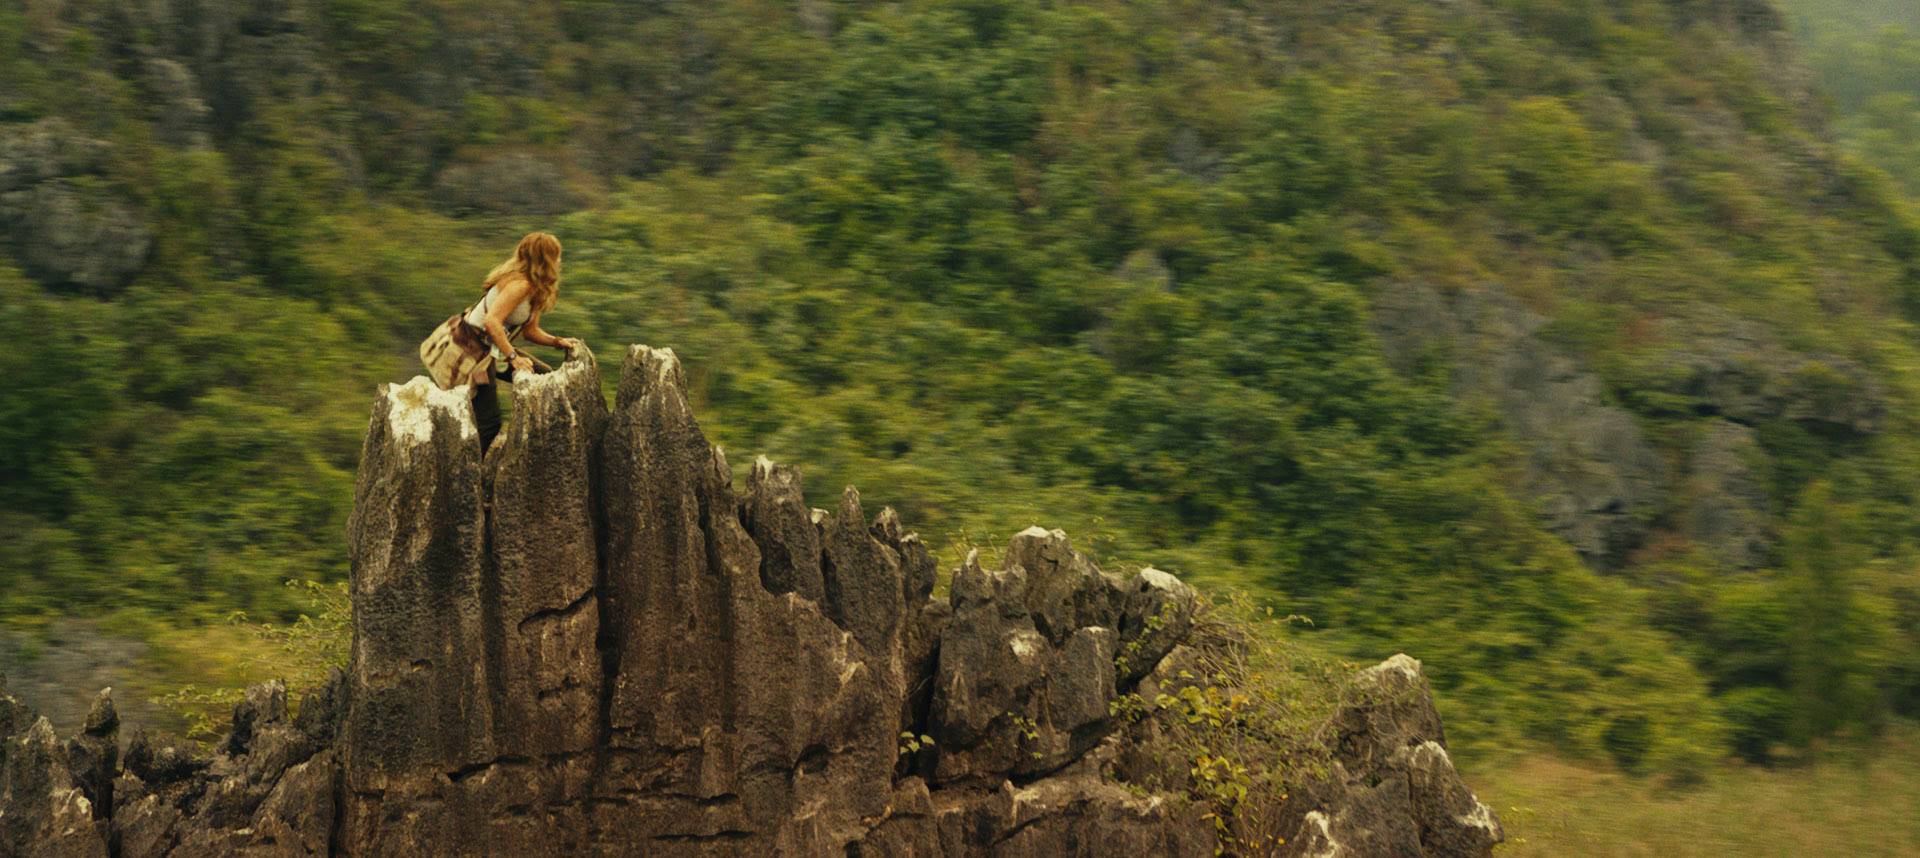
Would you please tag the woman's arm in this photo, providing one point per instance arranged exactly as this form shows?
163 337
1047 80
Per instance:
539 337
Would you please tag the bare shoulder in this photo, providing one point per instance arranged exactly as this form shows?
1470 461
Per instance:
513 286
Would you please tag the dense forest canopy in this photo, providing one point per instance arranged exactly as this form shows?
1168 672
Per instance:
1554 342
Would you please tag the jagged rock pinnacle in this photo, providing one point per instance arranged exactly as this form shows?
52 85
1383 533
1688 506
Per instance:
585 643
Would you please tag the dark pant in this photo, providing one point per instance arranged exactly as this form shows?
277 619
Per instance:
486 408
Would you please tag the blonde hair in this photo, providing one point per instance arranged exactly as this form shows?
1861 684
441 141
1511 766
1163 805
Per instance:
535 259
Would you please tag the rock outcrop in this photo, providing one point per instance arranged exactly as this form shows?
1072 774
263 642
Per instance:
1392 790
63 222
586 642
1584 461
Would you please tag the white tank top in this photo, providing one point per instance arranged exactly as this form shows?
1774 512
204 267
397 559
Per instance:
477 316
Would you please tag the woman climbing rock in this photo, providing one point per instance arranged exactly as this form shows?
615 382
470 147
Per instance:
477 347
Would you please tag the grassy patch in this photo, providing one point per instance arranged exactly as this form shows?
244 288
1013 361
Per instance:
1855 802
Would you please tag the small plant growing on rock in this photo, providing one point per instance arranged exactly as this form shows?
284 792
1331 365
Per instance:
1029 731
1124 660
910 743
1239 720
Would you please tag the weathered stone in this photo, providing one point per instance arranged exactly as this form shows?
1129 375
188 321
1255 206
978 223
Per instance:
418 673
1355 816
1008 700
1147 755
269 791
260 706
918 569
94 756
180 113
864 586
34 152
776 513
1065 591
1583 460
991 661
750 714
294 819
43 811
1392 708
245 773
1740 370
926 623
1072 815
542 595
1391 789
1155 617
66 225
1452 821
322 709
921 658
145 823
158 761
75 233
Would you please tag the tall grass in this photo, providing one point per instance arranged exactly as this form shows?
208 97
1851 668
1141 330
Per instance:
1853 803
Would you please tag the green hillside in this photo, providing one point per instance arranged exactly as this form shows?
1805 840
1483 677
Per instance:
1553 342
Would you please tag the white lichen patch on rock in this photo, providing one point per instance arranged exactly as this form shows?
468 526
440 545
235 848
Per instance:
662 361
410 409
1160 580
1320 829
1430 752
1038 532
1401 663
556 380
1480 817
1025 644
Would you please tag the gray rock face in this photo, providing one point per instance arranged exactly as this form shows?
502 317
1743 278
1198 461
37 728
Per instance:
181 114
749 715
585 643
543 590
1026 668
46 812
70 232
1599 480
418 675
1586 462
35 152
776 513
1738 370
1156 616
66 226
1065 592
1391 789
1727 501
271 790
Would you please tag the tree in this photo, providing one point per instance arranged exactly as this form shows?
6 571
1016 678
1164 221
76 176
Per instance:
1838 637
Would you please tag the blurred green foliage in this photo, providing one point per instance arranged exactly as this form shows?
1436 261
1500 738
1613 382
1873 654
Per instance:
1113 267
1867 54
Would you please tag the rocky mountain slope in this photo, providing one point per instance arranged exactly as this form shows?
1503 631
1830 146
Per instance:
587 643
1554 340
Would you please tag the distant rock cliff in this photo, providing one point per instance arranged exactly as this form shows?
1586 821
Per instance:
588 644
